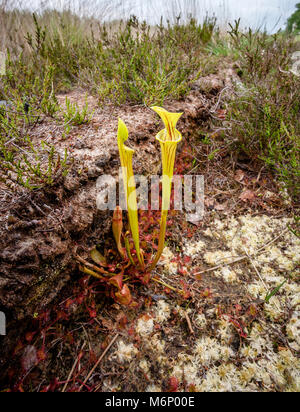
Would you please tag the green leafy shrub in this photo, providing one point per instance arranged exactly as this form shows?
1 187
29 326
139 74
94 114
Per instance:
73 115
132 62
23 162
264 114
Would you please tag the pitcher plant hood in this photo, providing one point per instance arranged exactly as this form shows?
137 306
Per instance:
170 133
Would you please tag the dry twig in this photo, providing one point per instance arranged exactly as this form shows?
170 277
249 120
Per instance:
72 370
99 360
189 323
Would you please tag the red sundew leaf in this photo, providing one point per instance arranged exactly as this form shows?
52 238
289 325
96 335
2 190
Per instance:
44 316
146 279
61 315
18 347
124 296
148 302
92 312
207 293
117 281
238 327
192 388
187 259
187 294
198 276
133 304
219 311
68 303
80 355
80 299
41 355
29 336
182 271
238 307
145 317
51 388
131 331
29 358
173 384
186 291
144 245
20 388
253 311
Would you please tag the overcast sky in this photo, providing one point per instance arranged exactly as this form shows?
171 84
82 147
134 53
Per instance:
255 13
271 14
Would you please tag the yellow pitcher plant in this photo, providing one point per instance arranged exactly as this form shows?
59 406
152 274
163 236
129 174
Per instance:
168 139
126 155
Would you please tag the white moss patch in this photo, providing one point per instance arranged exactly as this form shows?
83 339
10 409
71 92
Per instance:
144 366
225 331
200 320
194 249
215 358
228 275
293 328
209 350
125 352
217 257
145 325
157 344
162 312
153 388
167 262
185 370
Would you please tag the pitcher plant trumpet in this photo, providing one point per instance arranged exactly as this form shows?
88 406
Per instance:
168 139
126 155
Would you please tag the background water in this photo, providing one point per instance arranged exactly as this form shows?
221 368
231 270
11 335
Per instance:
269 14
